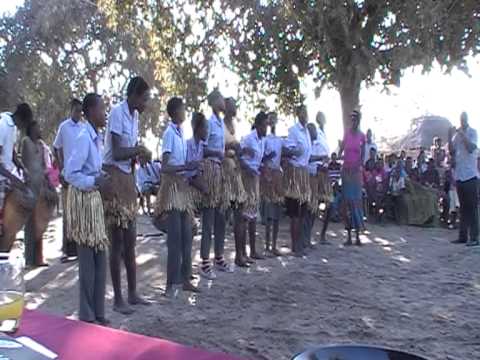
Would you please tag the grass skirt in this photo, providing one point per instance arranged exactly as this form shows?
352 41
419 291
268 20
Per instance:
271 186
212 176
296 182
251 184
352 199
175 194
121 203
232 185
85 219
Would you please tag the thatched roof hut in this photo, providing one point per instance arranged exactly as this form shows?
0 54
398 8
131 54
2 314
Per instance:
422 132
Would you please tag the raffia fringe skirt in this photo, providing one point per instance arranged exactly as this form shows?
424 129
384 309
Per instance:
271 186
212 176
321 191
121 204
174 194
296 182
85 219
232 185
251 184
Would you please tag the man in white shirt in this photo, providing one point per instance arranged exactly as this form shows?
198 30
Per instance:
64 145
369 144
463 147
9 124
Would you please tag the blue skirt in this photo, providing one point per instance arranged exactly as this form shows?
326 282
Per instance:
352 199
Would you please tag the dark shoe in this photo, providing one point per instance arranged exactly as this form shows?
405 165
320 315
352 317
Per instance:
242 263
459 241
103 321
66 259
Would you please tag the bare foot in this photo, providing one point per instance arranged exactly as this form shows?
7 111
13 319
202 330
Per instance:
138 300
123 309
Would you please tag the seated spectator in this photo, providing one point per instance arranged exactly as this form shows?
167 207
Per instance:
421 162
376 188
334 169
438 152
431 176
412 172
372 159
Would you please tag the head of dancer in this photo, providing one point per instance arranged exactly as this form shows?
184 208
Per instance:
22 116
199 126
272 121
464 121
176 110
76 110
334 157
302 115
217 102
321 120
261 124
33 131
94 110
138 94
230 108
312 130
356 117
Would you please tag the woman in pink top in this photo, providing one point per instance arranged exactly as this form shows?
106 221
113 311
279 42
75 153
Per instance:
353 149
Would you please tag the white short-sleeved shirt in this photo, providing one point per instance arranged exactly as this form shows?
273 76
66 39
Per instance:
465 162
124 124
216 135
253 142
319 148
66 136
174 143
299 137
8 138
274 143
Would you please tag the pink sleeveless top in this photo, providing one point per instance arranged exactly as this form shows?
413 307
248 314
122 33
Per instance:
353 143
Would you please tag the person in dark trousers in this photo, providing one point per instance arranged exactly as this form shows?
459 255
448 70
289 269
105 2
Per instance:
63 146
84 212
463 149
175 200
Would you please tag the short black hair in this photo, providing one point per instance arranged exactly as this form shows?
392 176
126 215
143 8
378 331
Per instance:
30 127
137 86
74 103
261 117
173 105
90 100
24 113
198 119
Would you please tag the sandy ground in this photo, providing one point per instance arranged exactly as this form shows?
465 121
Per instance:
407 288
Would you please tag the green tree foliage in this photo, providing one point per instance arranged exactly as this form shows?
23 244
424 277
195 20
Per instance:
343 43
52 50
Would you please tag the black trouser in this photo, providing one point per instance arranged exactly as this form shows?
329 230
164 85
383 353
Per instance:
468 197
179 243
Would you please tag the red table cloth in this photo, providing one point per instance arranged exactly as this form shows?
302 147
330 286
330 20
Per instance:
76 340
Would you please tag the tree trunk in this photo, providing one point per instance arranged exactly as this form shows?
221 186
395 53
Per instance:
350 99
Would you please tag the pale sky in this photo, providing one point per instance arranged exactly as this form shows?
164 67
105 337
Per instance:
387 114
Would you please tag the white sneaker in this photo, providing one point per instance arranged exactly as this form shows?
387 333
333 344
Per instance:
207 273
